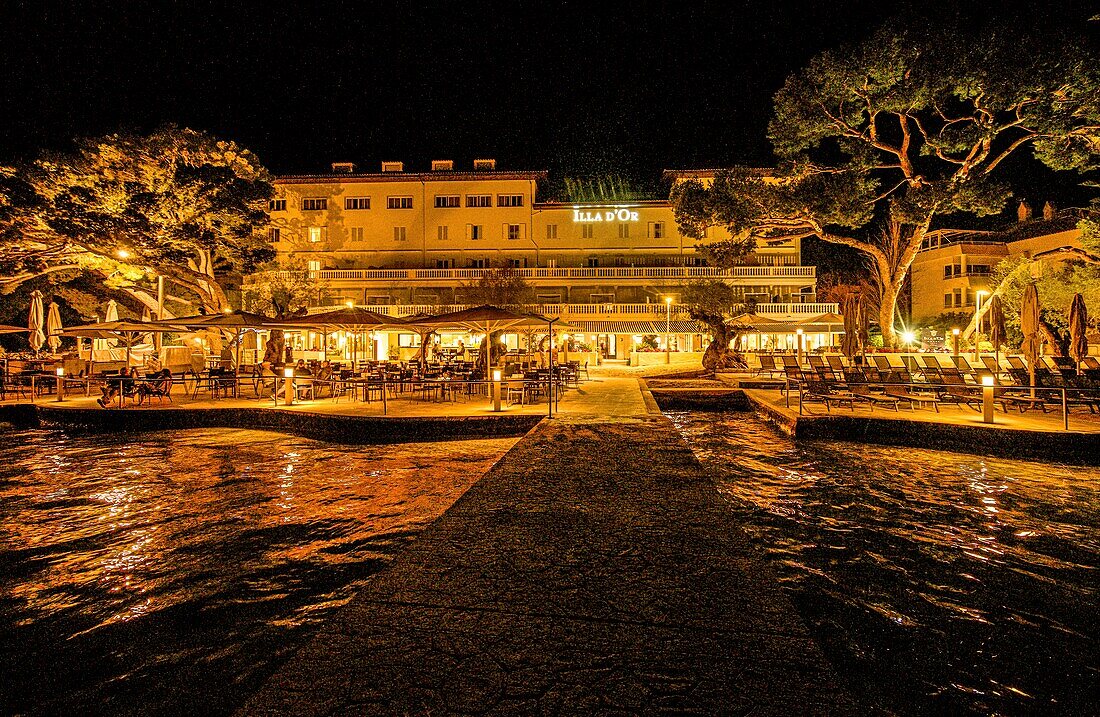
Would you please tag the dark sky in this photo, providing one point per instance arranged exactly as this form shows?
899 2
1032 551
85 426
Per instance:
574 86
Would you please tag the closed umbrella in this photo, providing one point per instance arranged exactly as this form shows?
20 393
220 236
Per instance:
35 322
1078 330
1029 324
53 327
849 345
998 335
112 311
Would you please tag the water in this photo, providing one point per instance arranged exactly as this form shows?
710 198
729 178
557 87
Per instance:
936 582
171 573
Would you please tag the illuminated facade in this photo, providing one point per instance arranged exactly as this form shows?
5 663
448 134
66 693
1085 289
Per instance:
400 242
954 266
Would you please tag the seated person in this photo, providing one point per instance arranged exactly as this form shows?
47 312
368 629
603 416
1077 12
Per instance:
225 360
125 384
300 369
153 364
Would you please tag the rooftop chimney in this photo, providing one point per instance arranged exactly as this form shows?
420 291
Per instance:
393 166
485 164
443 165
343 167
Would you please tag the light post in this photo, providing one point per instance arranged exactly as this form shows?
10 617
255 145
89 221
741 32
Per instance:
288 386
496 390
668 328
798 347
60 384
978 321
955 338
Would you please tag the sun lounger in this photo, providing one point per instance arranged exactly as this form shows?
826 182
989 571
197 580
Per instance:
902 393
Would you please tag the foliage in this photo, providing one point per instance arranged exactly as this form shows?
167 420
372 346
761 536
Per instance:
500 286
906 127
716 304
1057 284
280 291
177 203
600 189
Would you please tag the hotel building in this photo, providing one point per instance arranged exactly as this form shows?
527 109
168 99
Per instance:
400 242
953 266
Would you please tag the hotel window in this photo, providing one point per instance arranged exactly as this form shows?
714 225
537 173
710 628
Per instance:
479 263
551 231
592 262
277 205
586 231
969 297
274 234
947 304
357 203
474 232
977 269
602 298
657 230
479 200
952 270
513 231
509 200
515 263
446 201
315 234
548 298
624 231
314 265
400 234
441 232
358 234
314 204
444 263
399 202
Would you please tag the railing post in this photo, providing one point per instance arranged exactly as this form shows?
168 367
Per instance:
1065 411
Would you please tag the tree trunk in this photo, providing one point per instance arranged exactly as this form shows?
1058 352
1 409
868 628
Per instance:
887 308
273 351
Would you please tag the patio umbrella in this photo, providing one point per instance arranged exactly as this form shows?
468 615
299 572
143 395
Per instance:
235 323
35 322
349 318
485 317
1078 330
111 315
1029 324
997 333
53 326
829 319
126 331
7 329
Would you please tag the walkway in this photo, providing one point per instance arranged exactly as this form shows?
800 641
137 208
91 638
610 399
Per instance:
594 568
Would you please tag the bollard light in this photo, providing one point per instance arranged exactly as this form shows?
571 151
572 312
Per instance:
987 399
60 384
799 333
496 389
288 386
955 336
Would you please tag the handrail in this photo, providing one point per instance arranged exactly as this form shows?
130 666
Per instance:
643 272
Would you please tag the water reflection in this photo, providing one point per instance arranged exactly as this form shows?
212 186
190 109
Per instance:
937 582
146 575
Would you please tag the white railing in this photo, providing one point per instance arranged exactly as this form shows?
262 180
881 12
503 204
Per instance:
647 272
583 311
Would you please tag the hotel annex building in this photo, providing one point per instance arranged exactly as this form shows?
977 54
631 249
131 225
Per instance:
400 242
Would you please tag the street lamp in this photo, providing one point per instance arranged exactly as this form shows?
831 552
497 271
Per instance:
798 348
668 328
955 337
978 321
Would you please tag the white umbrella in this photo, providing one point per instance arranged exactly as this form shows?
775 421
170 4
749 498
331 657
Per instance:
35 322
53 327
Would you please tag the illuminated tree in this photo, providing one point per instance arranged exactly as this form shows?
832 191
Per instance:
502 286
911 125
176 203
716 304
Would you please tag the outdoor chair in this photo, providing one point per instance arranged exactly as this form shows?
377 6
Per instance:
1090 362
817 391
158 388
863 392
902 393
789 360
1077 392
836 363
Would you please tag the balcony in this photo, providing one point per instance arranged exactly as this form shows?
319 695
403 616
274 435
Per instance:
582 312
451 276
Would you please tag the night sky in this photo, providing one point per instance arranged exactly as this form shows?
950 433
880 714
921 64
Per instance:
575 87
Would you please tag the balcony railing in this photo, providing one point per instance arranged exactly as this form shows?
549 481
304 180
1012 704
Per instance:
583 311
648 272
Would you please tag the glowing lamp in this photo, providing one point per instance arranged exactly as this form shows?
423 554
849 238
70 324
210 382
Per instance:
987 380
288 373
955 332
496 374
122 254
60 372
350 304
908 337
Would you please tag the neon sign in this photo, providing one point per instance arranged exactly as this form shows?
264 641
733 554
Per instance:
620 214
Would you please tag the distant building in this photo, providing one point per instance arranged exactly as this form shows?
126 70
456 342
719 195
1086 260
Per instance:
954 265
402 241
